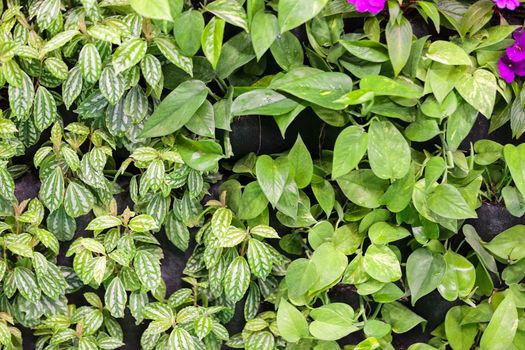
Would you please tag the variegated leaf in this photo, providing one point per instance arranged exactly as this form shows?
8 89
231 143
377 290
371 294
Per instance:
236 279
90 63
21 98
180 339
103 222
148 269
104 33
52 189
116 298
57 67
170 50
12 73
264 231
220 221
136 104
78 200
111 85
45 109
151 69
58 41
25 282
253 302
143 223
129 54
72 87
203 326
232 237
259 258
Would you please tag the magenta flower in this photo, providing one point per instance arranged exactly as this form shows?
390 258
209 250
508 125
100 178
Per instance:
516 52
372 6
508 69
508 4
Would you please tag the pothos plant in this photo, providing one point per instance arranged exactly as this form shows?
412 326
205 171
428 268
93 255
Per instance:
142 99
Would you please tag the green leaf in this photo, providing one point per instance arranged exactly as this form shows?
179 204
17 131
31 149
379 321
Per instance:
230 11
515 159
448 53
400 317
384 233
199 155
287 51
349 149
129 54
509 244
301 276
58 41
188 28
363 188
294 13
330 264
116 298
479 90
236 53
264 31
291 322
52 189
460 337
381 263
367 50
262 102
459 125
151 69
448 202
383 86
459 277
176 109
502 327
301 164
399 40
156 9
211 40
332 321
424 271
272 176
316 86
388 151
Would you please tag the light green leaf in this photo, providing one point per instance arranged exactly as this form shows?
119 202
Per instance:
448 53
156 9
291 322
293 13
388 151
424 272
272 176
502 327
116 298
176 109
479 90
381 263
349 149
399 40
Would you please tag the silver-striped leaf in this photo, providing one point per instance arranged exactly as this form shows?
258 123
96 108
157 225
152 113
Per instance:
72 87
115 298
129 54
170 50
112 85
90 63
236 279
52 189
